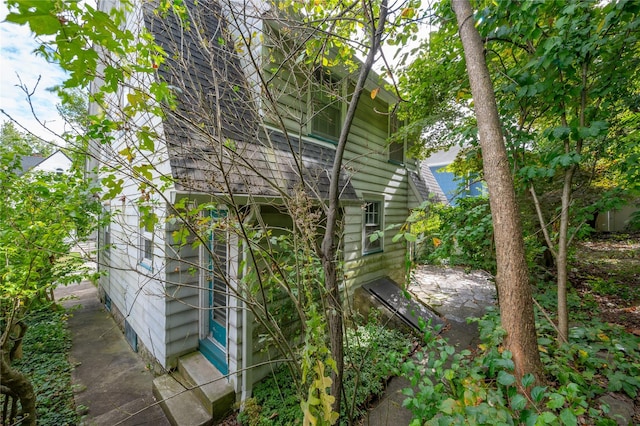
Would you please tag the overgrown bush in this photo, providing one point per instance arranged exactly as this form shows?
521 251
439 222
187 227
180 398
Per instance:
459 235
371 354
458 388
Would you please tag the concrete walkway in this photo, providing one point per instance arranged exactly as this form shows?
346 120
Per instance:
455 295
111 383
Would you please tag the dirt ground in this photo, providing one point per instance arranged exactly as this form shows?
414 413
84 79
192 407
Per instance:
608 268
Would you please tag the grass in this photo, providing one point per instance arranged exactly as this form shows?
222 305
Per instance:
46 346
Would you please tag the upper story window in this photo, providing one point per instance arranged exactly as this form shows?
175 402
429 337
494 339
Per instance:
371 224
326 107
396 147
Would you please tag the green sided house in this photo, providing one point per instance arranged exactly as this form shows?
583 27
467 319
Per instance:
251 127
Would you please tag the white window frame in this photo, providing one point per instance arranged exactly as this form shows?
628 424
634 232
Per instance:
145 253
370 225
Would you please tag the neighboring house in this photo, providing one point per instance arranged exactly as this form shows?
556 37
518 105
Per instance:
433 186
448 185
216 148
619 220
58 162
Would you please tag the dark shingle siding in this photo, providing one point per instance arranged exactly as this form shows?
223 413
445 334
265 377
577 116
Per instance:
214 141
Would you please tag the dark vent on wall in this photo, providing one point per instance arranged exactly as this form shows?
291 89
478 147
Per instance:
107 302
131 336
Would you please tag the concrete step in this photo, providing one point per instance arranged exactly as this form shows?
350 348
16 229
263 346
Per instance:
209 385
182 407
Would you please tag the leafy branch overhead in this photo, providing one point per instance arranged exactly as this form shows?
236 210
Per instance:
566 85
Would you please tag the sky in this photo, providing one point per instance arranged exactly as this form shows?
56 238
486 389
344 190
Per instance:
19 63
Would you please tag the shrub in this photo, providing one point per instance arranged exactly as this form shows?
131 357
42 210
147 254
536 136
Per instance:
371 353
457 388
459 235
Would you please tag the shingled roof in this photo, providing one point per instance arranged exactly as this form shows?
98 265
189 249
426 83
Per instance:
28 162
434 189
214 138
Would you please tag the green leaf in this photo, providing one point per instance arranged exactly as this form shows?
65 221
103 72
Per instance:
448 406
555 401
410 237
506 379
145 170
146 138
528 417
545 418
518 402
561 132
537 393
568 418
527 380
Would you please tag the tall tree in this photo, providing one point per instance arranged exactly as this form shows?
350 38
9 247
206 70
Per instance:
328 249
22 142
35 242
567 73
565 78
512 280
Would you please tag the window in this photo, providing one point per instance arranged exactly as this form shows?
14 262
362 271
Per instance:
147 222
106 242
326 107
396 147
372 223
107 237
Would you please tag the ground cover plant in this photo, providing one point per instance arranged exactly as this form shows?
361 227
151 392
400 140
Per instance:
600 363
48 342
607 269
370 355
450 387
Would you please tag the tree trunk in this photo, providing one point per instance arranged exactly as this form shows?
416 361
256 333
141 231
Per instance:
21 386
563 250
512 279
328 248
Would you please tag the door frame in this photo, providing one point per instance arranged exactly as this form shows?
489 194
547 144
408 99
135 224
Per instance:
213 351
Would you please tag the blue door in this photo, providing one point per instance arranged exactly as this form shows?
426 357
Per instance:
214 345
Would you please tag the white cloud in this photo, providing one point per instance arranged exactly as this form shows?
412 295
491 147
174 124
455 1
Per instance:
20 66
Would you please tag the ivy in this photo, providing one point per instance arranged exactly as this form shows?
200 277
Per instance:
458 387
